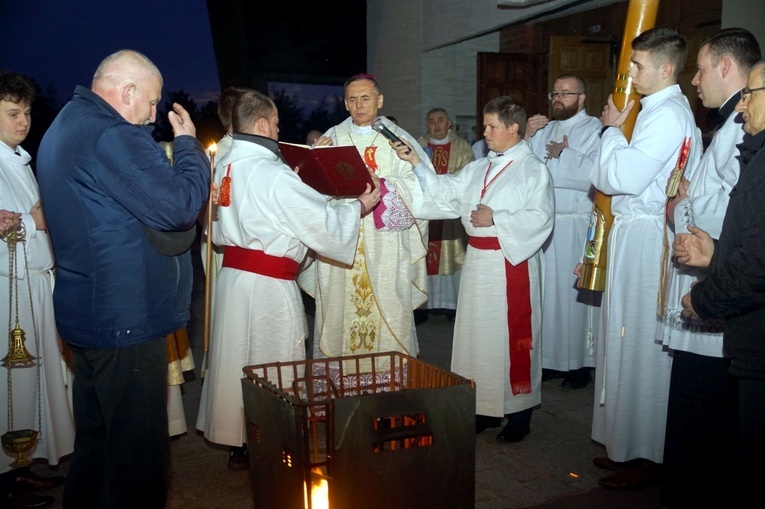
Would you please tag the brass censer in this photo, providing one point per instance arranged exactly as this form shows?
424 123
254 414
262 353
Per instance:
19 442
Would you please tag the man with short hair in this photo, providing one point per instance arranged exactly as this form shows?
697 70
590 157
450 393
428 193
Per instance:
568 144
35 395
701 415
446 238
506 204
228 98
632 372
271 222
118 293
733 289
366 307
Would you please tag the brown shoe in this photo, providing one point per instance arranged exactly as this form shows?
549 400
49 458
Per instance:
637 475
26 500
26 480
606 463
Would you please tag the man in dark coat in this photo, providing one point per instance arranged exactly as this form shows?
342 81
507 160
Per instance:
734 286
112 200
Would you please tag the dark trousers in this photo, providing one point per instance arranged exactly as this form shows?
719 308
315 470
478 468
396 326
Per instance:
751 401
121 453
701 443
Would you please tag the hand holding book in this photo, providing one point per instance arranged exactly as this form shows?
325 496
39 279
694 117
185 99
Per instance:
334 171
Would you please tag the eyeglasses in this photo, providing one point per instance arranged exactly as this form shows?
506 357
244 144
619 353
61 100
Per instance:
562 95
746 92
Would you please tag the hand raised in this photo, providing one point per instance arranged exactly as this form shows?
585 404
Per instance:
405 152
612 116
181 121
534 124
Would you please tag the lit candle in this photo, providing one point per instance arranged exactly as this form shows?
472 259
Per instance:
212 149
208 244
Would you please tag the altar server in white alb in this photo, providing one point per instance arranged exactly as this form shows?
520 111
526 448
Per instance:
267 219
38 394
506 203
633 369
568 144
702 416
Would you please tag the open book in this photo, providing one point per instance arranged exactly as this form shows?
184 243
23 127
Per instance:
334 171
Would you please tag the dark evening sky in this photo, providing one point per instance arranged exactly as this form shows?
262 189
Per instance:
59 43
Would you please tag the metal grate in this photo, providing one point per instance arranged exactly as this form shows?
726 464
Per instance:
361 421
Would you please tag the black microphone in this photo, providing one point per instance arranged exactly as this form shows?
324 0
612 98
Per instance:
378 126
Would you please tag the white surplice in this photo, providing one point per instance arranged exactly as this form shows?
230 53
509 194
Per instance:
570 316
18 193
522 200
258 319
633 369
707 201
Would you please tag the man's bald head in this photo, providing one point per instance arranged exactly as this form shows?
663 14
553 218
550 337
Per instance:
125 66
131 84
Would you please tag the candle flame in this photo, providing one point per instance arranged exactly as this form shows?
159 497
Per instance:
213 148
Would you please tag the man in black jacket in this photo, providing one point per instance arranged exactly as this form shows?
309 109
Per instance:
734 287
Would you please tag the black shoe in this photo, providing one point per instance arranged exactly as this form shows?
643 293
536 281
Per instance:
26 480
484 422
577 379
451 314
420 316
512 433
25 500
550 374
238 458
517 426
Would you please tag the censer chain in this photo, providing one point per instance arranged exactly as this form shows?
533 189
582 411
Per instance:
12 238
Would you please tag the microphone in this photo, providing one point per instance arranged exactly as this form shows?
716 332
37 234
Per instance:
378 126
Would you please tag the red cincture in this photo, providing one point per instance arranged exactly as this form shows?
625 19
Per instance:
485 184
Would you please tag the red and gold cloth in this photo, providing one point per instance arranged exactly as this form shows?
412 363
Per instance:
440 160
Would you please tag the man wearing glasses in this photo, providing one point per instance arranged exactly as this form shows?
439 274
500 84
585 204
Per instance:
734 286
568 144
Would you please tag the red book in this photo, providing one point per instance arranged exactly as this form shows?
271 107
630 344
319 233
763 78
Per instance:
334 171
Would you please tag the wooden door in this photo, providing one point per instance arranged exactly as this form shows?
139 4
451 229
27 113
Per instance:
592 59
514 74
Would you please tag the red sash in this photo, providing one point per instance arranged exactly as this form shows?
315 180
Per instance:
435 236
518 291
258 262
440 160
